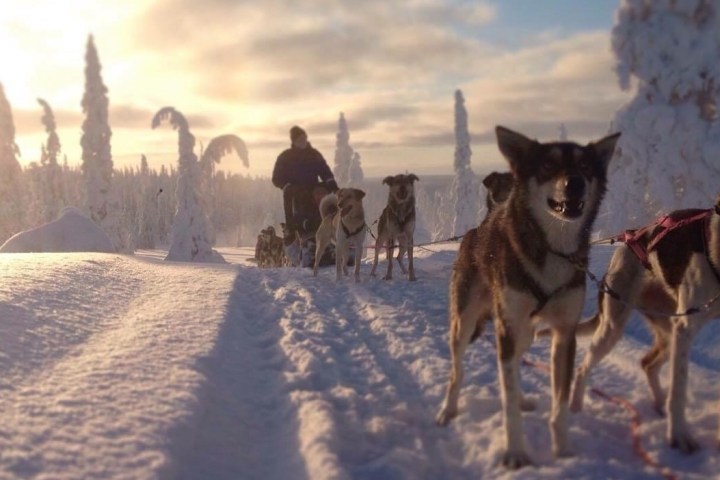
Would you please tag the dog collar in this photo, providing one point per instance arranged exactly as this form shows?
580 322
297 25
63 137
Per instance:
348 233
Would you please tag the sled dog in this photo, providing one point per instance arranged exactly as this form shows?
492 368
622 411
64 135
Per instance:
677 271
343 222
498 187
523 265
269 250
397 223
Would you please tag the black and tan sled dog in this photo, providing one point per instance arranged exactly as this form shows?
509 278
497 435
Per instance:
523 265
670 272
397 223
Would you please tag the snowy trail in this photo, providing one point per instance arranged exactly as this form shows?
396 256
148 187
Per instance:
381 411
131 367
247 426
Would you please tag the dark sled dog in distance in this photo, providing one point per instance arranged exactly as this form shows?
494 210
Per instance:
680 271
397 223
523 265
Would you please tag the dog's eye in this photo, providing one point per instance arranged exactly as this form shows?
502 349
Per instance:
585 166
548 166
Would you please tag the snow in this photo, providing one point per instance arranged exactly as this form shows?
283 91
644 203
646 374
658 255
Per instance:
119 366
71 232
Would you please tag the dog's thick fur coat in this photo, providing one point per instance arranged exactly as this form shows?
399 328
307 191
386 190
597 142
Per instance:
343 222
397 223
523 265
683 273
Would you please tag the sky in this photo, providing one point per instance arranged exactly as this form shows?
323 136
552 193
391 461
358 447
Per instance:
256 68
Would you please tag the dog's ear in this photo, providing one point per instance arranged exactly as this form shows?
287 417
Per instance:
514 146
490 180
605 148
360 194
413 178
388 180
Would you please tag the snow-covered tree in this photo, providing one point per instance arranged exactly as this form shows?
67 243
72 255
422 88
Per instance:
668 156
53 198
465 187
347 169
215 151
562 133
10 193
355 173
190 238
97 163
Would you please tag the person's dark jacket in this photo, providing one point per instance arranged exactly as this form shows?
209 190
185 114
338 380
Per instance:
301 166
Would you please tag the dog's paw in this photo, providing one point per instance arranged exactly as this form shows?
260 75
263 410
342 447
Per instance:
516 460
444 416
412 278
685 443
387 277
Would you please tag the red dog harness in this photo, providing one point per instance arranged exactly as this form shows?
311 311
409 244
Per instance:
635 239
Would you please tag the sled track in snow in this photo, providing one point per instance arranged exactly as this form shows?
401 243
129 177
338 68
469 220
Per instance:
246 428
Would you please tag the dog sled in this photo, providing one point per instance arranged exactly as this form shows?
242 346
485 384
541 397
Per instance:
299 238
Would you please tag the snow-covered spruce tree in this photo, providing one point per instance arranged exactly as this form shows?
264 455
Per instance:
465 187
215 151
190 237
562 133
148 210
347 169
355 172
668 156
97 163
10 190
53 197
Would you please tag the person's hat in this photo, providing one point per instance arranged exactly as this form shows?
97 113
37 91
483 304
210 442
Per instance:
295 132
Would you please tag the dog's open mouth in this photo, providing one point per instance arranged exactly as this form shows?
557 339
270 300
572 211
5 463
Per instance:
567 208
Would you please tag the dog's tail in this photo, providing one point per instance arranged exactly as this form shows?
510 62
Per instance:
329 205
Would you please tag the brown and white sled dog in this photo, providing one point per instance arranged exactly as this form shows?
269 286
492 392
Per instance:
397 223
523 265
343 223
682 272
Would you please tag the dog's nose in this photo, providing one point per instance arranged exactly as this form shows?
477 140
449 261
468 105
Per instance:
575 186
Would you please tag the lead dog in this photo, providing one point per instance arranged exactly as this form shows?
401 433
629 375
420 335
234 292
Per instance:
681 271
521 266
343 222
397 223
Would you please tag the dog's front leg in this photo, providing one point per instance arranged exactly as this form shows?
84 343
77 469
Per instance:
411 264
515 455
390 249
562 363
678 433
378 246
340 254
464 321
359 242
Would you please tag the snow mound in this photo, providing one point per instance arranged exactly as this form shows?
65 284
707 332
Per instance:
71 232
